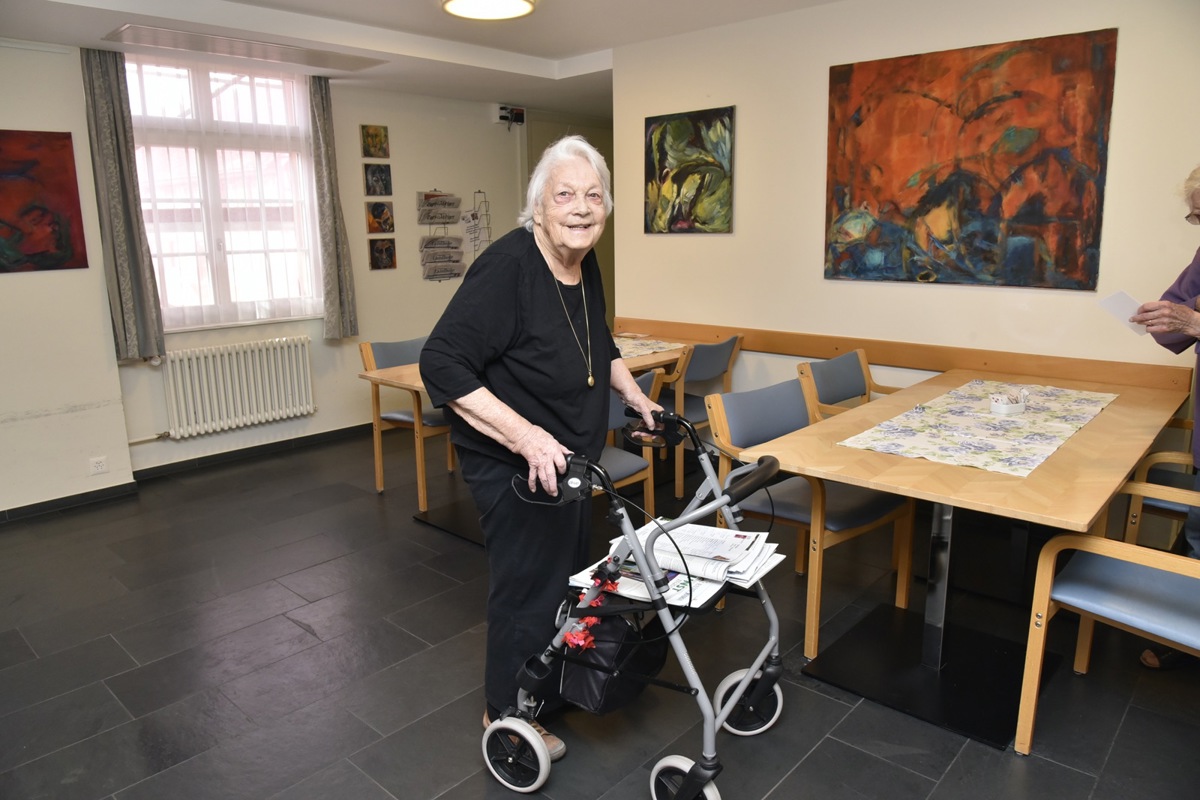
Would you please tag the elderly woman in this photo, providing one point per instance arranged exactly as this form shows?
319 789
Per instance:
522 360
1174 322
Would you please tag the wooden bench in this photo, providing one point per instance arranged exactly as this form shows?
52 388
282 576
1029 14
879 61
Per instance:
910 355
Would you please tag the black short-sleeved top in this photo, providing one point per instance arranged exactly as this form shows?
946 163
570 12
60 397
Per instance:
506 329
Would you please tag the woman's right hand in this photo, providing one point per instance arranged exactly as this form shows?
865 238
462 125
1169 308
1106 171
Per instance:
1163 316
547 459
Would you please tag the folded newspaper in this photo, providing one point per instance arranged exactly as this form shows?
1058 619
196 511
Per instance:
712 557
708 552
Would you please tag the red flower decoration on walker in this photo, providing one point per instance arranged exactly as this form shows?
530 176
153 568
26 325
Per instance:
580 638
597 602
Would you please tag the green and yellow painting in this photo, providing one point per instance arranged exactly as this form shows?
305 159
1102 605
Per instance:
689 172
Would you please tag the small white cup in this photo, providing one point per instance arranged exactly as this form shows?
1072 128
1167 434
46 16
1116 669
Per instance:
1008 408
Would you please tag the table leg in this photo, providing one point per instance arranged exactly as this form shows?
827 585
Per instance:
377 437
958 678
932 654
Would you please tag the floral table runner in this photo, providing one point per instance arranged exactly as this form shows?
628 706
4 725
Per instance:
960 428
631 347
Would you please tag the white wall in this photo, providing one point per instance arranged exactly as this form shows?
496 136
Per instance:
769 272
60 401
65 399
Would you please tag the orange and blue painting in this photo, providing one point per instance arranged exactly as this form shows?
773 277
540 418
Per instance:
689 172
984 165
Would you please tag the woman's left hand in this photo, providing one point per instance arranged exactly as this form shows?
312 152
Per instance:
642 405
631 394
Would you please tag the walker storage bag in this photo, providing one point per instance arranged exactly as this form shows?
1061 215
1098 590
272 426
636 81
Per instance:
621 643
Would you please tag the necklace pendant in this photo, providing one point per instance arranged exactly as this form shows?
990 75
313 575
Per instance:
591 381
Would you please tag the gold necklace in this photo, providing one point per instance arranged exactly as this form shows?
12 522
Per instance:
587 357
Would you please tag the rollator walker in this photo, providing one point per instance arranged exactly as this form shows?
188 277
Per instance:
745 703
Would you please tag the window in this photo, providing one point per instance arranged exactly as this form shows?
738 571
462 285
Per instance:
225 174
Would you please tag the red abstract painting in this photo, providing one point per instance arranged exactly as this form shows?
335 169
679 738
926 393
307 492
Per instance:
40 222
984 165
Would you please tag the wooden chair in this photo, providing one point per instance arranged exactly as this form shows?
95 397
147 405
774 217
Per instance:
1137 589
702 362
1164 483
424 423
825 514
626 468
843 382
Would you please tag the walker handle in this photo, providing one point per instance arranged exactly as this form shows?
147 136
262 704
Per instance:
668 435
739 490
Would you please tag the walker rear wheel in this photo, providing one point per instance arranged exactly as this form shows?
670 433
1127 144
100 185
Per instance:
745 719
667 778
516 755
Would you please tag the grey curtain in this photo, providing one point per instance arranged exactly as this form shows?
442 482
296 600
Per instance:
341 313
128 268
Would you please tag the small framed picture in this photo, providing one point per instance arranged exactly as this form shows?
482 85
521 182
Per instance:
375 141
379 217
377 179
383 253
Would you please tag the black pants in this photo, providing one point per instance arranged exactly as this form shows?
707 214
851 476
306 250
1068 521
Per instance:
532 551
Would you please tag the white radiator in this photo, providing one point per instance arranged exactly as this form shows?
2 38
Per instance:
211 389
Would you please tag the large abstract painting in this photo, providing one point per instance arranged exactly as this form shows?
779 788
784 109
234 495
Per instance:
689 172
984 165
41 226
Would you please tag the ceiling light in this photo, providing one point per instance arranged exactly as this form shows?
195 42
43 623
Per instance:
488 9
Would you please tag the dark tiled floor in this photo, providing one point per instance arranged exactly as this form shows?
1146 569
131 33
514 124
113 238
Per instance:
275 629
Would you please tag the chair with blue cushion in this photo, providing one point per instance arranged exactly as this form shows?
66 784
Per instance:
703 363
424 423
825 513
843 382
1164 482
624 467
1137 589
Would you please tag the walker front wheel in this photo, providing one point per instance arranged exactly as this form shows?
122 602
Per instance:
745 719
667 778
516 755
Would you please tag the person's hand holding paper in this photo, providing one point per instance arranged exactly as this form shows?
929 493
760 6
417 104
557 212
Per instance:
1163 316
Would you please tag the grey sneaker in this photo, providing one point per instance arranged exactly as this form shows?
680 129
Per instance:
556 746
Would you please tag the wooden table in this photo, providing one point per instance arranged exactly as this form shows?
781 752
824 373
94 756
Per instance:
461 518
896 657
659 358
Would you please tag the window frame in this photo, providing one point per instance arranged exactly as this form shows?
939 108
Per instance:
288 254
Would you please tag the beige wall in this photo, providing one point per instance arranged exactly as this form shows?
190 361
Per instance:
769 272
60 400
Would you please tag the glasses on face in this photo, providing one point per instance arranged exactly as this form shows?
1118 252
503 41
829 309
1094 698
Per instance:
1193 217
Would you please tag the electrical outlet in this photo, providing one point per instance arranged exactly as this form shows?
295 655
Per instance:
98 465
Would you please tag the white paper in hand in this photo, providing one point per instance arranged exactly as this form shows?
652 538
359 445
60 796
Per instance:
1122 306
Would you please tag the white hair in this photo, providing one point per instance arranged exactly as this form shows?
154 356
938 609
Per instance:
565 149
1191 185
